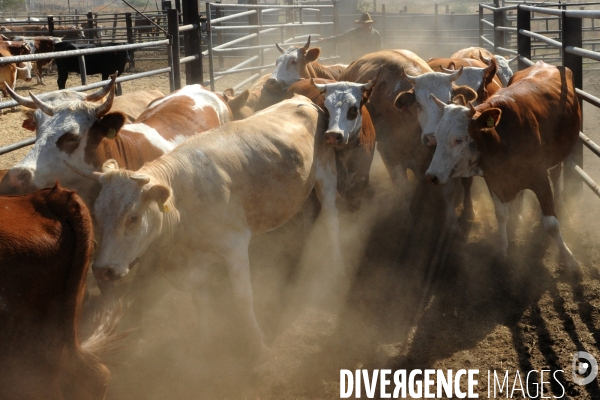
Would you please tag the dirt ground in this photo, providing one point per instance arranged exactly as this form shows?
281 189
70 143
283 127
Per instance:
412 298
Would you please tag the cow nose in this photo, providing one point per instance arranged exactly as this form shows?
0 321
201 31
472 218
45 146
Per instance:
432 178
429 139
20 177
334 138
274 84
105 273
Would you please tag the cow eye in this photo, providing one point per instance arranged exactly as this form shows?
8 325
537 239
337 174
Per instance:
352 113
132 219
458 141
293 62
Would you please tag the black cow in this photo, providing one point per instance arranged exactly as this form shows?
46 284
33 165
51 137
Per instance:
102 63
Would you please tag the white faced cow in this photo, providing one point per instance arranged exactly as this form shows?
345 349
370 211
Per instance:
343 101
203 202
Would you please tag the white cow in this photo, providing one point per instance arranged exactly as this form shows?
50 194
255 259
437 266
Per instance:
200 204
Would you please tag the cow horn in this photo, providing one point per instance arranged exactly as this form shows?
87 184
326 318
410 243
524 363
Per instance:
100 94
472 110
142 179
369 85
408 78
105 107
456 74
93 175
24 101
319 87
486 60
281 50
437 101
448 70
46 109
307 45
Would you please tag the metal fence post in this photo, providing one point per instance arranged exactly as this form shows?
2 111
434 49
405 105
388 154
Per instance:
129 26
89 34
191 43
173 29
211 71
572 35
114 30
523 42
499 36
219 14
436 39
383 32
178 8
336 24
253 20
480 25
50 26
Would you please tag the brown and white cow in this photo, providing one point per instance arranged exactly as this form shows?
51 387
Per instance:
19 48
86 134
512 140
297 63
201 203
504 73
353 161
10 72
46 241
39 45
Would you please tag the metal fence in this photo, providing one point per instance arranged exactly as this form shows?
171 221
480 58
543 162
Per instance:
565 44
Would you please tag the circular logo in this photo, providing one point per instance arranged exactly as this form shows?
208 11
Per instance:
585 368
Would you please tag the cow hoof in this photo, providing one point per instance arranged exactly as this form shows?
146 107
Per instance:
571 267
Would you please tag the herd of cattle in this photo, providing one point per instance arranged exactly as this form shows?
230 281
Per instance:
180 183
33 39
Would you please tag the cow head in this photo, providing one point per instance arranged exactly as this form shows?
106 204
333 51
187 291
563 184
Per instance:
441 85
129 212
239 106
24 72
456 153
504 70
62 134
476 78
291 66
344 101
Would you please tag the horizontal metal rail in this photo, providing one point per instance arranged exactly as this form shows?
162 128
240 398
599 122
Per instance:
232 16
526 60
589 144
583 52
189 27
542 10
588 97
220 5
488 41
585 177
237 71
541 38
16 146
506 29
507 8
250 27
509 51
245 81
12 103
583 13
263 46
183 60
488 23
238 66
82 52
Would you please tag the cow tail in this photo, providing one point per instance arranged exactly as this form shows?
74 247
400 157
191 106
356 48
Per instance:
106 340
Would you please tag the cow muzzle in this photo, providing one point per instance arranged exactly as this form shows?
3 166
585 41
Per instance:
20 178
107 273
275 85
334 138
432 178
429 139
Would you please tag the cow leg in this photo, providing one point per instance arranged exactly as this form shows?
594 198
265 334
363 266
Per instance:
557 186
543 191
502 218
326 190
468 211
452 226
62 79
238 267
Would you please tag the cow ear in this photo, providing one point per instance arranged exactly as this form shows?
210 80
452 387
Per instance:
405 100
160 194
489 118
459 100
313 54
29 121
110 124
228 93
468 93
110 165
239 101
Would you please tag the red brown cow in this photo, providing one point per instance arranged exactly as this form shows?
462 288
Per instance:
504 73
46 242
353 162
513 139
39 45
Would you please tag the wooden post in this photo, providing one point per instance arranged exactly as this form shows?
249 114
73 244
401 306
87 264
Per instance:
193 70
129 26
572 34
173 29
